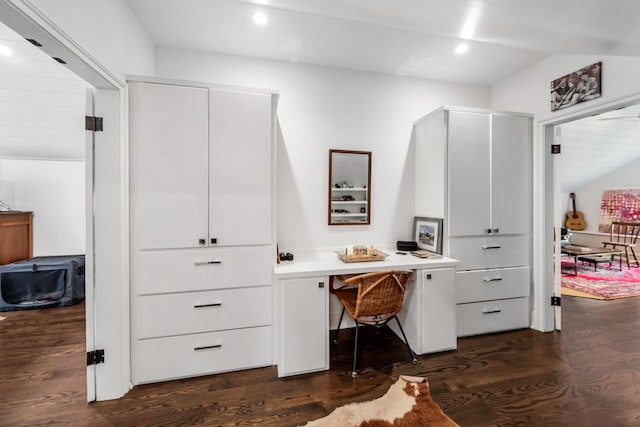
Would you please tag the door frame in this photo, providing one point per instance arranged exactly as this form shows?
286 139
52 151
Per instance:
107 298
545 208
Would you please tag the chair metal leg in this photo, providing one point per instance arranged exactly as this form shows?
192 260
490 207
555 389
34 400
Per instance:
413 355
335 336
354 373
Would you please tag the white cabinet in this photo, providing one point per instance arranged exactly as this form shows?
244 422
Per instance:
201 166
303 325
201 213
428 314
489 168
473 168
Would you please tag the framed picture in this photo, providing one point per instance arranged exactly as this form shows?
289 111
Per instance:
427 232
579 86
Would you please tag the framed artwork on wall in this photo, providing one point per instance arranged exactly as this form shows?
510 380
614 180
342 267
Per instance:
427 232
579 86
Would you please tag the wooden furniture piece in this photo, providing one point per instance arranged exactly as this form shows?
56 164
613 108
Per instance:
16 236
202 229
592 255
624 235
473 169
303 309
373 299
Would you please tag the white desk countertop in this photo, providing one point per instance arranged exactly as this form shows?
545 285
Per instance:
328 264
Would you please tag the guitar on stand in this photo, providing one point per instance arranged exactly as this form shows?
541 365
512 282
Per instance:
575 221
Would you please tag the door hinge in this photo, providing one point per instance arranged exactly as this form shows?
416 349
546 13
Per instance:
95 357
555 301
555 148
93 123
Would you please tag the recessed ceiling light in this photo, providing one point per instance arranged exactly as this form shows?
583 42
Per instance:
462 48
260 18
5 51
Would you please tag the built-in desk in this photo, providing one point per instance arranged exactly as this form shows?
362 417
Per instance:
301 323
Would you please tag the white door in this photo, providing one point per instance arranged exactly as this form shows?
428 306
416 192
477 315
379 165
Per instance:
558 217
469 169
89 251
240 160
510 171
168 140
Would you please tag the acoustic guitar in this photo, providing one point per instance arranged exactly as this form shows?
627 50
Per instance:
575 221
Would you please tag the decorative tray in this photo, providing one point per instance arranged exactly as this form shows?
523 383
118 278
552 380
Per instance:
372 255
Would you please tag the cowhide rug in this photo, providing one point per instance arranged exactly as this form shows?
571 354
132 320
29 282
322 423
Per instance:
407 403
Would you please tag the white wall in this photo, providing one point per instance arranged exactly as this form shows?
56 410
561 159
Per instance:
108 30
322 108
54 191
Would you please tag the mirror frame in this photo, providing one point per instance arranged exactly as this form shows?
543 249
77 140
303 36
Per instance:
367 190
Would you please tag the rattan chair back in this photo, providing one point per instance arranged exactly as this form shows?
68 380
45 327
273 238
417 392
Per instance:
380 294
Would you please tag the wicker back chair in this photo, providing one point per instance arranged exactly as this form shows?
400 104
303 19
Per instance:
624 235
373 299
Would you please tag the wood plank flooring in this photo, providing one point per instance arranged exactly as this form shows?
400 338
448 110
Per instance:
586 375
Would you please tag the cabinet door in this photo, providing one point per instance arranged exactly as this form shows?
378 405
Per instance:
469 173
304 329
240 175
439 310
168 165
510 160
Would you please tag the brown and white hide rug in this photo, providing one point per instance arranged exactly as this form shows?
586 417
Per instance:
407 403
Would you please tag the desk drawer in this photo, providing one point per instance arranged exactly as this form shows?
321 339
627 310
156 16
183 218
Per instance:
195 312
484 285
489 252
165 271
492 316
200 354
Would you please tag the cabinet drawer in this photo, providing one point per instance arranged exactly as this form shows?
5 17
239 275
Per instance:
154 272
489 252
484 285
160 359
492 316
195 312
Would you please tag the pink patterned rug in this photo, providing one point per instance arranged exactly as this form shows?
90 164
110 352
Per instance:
603 283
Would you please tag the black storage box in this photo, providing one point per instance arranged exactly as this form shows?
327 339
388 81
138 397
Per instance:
41 282
407 245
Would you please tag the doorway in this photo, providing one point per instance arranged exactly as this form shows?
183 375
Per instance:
553 197
106 276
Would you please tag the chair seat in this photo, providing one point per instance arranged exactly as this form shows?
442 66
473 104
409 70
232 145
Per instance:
348 297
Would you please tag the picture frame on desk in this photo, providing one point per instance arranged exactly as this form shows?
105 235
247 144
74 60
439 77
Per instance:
427 232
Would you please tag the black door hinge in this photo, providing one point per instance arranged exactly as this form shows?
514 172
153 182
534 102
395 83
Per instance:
93 123
556 301
555 149
95 357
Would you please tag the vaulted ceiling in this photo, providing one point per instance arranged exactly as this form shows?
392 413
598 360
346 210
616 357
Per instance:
413 38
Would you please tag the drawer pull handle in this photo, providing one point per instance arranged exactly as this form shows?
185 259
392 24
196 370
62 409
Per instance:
491 311
207 347
493 279
207 262
215 304
490 247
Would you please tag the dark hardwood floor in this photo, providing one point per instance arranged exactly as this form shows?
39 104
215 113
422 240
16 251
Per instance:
586 375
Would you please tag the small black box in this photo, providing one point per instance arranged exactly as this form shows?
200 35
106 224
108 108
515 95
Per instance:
406 246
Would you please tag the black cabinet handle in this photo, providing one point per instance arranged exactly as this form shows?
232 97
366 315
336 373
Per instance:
321 285
207 262
491 311
490 247
493 279
215 304
207 347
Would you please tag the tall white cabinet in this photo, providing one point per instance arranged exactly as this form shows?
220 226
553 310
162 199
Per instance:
473 168
202 229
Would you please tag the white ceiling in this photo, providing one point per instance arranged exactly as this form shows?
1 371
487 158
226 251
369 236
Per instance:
402 37
407 37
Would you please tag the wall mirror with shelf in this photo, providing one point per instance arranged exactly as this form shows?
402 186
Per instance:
349 187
